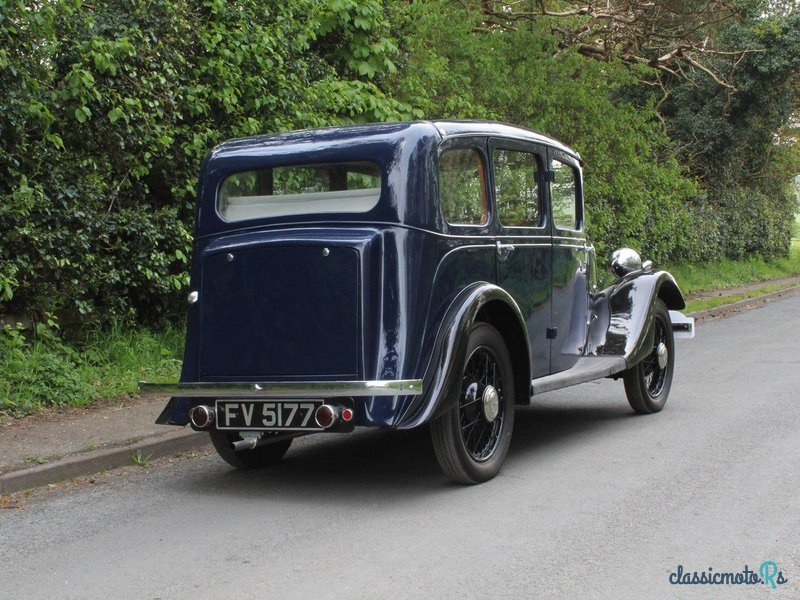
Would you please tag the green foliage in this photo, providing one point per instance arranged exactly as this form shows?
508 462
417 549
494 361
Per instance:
701 276
635 188
140 459
739 144
108 109
737 222
796 227
349 28
39 369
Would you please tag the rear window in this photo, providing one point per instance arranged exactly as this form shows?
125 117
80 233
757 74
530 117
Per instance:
353 187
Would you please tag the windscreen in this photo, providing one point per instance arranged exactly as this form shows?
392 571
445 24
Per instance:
351 187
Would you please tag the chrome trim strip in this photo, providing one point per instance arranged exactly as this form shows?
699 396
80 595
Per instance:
284 389
682 326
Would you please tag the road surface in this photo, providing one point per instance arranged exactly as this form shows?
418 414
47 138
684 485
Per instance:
593 502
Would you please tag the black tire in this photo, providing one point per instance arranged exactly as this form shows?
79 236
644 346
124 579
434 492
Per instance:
263 456
647 383
471 448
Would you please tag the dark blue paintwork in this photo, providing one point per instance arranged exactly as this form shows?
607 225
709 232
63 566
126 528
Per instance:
399 287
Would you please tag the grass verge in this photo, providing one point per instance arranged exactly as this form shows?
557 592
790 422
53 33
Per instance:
700 277
698 304
43 370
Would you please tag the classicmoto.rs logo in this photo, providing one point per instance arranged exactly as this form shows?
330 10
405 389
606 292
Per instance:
768 574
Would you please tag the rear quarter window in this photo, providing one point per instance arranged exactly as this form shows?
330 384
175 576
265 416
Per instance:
462 187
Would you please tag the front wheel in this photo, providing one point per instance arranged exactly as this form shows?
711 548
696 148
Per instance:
262 456
647 383
471 439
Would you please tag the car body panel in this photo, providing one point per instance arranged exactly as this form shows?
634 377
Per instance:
623 314
390 294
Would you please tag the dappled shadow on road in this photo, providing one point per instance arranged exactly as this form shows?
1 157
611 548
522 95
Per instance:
375 465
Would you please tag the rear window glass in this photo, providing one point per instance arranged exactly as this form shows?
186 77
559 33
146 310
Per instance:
353 187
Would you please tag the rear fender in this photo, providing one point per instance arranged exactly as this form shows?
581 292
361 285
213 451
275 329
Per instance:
625 313
441 380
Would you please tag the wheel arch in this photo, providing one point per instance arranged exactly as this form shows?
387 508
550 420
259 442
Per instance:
502 317
625 314
481 301
670 293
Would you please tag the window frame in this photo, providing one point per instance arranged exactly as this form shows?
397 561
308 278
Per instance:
479 145
577 171
306 165
540 152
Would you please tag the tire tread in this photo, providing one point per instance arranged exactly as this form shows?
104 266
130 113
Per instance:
444 430
635 389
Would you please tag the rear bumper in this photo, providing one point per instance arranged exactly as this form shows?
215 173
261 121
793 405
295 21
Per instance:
285 389
378 403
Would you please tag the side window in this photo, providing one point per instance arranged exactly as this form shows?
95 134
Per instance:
462 187
563 198
516 180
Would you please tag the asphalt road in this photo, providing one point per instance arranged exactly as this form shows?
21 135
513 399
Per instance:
593 502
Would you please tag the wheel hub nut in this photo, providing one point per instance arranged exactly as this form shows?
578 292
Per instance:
663 355
491 403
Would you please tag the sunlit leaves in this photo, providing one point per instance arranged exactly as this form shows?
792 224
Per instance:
107 110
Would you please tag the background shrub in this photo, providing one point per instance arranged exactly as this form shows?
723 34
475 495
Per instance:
107 109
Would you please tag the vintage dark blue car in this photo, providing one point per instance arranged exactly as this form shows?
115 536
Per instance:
401 275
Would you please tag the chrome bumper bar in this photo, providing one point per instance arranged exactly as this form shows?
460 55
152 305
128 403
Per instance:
285 389
682 326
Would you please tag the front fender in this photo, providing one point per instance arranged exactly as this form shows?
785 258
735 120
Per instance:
624 314
442 375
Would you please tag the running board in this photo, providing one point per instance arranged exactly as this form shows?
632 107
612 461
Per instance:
586 369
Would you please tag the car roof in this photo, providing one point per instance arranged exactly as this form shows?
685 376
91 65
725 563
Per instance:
444 129
456 128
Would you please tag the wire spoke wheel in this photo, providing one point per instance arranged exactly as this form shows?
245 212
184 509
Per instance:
471 438
479 434
647 383
656 375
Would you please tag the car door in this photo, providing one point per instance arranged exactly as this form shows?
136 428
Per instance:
570 257
522 238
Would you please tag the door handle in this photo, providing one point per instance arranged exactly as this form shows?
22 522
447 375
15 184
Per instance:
504 250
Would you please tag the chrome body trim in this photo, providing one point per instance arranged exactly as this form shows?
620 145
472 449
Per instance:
682 326
284 389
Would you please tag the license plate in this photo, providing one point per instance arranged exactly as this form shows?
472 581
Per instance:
283 415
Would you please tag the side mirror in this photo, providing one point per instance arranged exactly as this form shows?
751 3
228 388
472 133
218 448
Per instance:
625 261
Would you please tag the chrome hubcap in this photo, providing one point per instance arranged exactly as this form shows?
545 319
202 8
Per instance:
491 403
663 355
